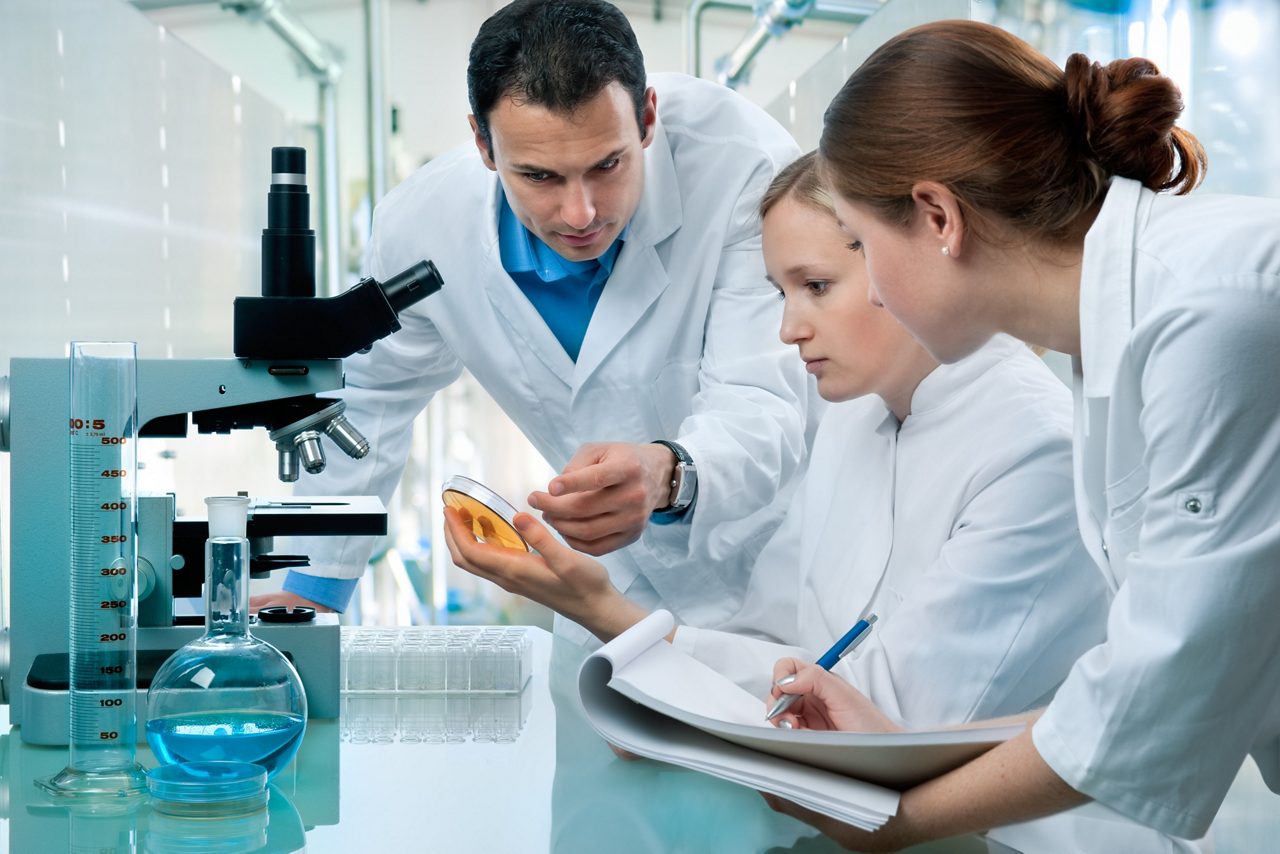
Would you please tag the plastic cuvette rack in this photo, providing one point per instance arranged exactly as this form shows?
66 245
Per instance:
437 659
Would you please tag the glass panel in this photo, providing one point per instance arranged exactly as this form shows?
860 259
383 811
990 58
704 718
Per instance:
801 106
132 173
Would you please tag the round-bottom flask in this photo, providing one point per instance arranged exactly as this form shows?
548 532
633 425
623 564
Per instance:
227 695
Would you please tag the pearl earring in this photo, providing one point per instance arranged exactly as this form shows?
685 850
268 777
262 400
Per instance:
946 250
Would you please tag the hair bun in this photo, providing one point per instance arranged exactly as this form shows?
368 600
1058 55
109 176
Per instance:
1124 117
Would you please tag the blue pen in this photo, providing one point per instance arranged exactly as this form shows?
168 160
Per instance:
838 650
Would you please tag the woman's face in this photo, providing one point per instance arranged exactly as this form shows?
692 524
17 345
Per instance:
851 346
908 274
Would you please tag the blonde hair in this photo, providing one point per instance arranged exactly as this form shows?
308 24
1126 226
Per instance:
802 180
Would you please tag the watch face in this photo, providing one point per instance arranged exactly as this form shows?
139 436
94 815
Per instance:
687 475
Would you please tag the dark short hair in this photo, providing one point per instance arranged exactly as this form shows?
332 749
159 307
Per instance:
558 54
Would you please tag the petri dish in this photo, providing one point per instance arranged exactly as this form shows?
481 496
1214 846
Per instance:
212 789
492 517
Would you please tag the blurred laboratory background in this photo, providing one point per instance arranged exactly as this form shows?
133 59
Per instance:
134 159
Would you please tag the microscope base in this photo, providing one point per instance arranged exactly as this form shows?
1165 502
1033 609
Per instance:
314 649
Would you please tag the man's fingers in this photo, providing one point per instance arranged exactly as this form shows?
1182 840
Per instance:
603 545
623 498
590 478
596 527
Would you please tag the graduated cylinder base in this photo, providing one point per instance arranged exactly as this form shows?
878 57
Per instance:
105 787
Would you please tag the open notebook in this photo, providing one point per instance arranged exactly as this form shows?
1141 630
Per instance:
643 695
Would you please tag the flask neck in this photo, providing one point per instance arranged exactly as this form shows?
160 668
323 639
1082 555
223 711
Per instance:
226 585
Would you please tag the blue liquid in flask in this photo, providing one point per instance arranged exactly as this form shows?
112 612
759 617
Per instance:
227 696
264 738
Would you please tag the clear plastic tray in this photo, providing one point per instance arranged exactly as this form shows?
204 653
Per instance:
437 659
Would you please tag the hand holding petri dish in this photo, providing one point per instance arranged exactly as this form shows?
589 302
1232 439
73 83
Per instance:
490 516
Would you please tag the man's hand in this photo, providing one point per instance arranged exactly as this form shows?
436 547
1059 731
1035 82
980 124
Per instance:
288 600
603 498
560 578
826 701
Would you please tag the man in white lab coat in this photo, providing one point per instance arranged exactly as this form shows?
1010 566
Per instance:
600 249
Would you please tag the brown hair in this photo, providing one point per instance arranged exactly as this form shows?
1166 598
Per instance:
1016 139
802 180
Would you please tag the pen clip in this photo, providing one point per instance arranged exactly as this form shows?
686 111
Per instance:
870 619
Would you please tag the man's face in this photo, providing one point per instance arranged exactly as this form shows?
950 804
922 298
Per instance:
573 180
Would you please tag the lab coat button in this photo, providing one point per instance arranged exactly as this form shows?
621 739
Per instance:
1192 505
1105 550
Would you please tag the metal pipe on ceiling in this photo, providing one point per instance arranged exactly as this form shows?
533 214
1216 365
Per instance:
771 19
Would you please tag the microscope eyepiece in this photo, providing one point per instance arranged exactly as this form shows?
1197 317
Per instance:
289 163
288 242
412 285
288 321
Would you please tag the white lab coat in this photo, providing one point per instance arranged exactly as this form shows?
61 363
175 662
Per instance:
683 345
1177 469
958 530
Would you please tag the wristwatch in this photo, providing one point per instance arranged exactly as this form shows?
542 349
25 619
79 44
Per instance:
684 485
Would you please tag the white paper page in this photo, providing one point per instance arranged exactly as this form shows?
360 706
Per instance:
652 734
629 645
673 678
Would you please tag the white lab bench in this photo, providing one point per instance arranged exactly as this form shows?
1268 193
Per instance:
552 786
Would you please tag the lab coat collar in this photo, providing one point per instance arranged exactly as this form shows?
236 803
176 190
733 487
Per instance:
638 277
947 381
1106 286
660 212
507 299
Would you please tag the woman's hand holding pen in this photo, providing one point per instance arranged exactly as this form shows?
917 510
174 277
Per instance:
825 700
564 580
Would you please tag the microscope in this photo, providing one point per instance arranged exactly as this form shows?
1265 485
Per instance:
288 346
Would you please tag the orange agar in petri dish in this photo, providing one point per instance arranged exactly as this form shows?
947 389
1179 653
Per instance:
492 518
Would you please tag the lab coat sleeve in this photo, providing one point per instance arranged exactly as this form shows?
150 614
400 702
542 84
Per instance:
993 625
746 431
1155 722
386 389
746 647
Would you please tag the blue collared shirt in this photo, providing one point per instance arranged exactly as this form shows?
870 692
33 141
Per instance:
563 292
